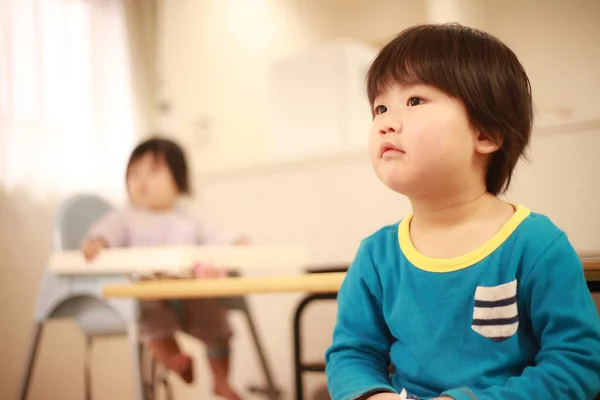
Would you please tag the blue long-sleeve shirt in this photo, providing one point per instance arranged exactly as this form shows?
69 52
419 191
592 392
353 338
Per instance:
511 320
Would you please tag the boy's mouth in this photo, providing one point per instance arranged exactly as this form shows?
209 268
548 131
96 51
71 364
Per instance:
388 149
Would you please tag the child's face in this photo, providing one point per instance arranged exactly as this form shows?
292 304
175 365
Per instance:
151 184
422 142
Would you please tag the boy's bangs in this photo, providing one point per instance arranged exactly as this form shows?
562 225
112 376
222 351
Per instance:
420 57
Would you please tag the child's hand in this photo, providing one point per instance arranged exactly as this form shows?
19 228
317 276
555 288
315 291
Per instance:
389 396
443 398
91 248
208 271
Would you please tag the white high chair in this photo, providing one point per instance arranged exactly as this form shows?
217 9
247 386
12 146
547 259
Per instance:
80 297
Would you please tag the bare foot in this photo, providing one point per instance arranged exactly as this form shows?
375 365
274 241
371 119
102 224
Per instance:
183 366
225 391
167 352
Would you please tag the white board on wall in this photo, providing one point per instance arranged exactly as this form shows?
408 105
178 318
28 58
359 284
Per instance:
318 101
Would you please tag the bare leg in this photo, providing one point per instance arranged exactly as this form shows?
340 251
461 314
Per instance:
220 370
207 320
167 352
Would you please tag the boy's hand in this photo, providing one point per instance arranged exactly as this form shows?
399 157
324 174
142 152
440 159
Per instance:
91 248
387 396
401 396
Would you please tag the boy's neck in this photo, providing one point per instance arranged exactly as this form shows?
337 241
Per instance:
452 210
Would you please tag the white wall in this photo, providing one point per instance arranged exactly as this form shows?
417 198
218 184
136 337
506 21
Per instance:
214 58
215 55
557 42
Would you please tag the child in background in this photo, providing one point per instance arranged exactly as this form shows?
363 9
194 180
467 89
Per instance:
157 175
468 297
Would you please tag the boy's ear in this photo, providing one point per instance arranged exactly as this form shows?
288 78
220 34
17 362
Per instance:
486 144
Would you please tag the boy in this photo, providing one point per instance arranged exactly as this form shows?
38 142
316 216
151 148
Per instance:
469 297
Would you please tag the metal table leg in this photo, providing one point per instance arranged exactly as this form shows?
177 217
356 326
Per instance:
299 366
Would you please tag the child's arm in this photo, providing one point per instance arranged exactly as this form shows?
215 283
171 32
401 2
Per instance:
109 231
566 324
358 360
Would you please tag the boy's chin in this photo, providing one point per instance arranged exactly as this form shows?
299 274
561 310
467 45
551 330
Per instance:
397 184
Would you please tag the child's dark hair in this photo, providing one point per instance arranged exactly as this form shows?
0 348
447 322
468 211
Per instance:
173 156
474 67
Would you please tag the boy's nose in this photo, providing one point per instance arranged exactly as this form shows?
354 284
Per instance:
390 125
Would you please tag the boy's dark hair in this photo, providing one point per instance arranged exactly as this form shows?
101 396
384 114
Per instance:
474 67
173 156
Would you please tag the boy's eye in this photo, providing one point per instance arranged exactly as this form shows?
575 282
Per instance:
380 109
414 101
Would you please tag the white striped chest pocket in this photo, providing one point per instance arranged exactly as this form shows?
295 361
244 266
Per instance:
496 315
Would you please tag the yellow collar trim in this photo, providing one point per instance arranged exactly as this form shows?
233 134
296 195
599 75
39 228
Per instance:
460 262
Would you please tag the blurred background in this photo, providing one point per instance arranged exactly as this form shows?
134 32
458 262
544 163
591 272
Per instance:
267 98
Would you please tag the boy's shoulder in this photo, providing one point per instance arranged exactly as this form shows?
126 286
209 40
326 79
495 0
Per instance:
538 235
538 229
383 240
384 233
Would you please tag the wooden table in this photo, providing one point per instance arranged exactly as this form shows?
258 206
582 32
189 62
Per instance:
228 287
591 267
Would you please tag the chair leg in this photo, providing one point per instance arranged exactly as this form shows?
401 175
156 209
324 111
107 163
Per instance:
138 383
37 335
161 376
147 374
155 378
152 382
87 367
167 386
271 391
